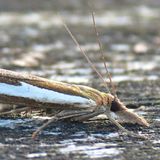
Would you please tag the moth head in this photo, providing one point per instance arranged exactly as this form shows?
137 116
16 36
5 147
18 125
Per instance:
125 114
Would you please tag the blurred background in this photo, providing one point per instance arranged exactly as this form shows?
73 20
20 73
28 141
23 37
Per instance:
33 40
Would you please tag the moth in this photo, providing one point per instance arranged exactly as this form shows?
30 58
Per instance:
70 101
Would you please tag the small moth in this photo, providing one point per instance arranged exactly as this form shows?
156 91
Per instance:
70 101
76 102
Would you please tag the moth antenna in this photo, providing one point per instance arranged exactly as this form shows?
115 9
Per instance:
85 55
102 55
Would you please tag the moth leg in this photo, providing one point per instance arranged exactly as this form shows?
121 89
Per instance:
59 116
92 114
14 111
53 119
130 133
72 113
